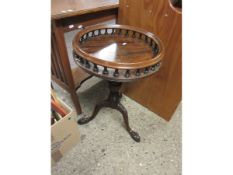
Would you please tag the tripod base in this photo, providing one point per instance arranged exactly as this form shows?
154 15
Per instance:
113 101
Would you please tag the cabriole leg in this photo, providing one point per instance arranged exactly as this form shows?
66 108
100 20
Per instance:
113 101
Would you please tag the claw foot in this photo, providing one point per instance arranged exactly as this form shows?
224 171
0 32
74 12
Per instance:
134 135
84 120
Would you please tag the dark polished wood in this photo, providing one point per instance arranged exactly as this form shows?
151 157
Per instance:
117 53
67 16
163 19
113 101
120 46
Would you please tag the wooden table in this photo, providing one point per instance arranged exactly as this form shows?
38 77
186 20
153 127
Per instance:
68 15
117 53
157 16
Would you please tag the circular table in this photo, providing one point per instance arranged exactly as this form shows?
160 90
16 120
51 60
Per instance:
117 53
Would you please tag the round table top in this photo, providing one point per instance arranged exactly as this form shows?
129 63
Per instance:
127 51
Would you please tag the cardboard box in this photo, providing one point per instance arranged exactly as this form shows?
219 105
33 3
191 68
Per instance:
65 135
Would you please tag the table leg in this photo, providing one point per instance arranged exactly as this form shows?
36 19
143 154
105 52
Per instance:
62 59
113 101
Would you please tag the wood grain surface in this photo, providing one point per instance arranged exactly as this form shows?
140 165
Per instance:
118 49
68 15
133 54
118 53
67 8
161 92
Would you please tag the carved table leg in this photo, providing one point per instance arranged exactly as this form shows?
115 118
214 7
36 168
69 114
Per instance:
85 120
124 112
113 101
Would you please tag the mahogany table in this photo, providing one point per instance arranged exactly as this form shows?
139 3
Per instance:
117 53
